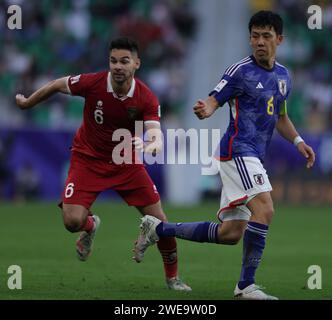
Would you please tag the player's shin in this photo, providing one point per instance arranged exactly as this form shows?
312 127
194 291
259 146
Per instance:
89 224
253 247
168 251
193 231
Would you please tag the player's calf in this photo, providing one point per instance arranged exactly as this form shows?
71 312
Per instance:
231 232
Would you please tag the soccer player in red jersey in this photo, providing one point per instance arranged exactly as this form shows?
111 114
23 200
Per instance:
114 100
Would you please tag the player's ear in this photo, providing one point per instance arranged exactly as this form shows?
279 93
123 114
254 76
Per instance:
137 63
280 38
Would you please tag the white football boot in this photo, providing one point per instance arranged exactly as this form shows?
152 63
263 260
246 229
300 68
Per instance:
147 236
85 241
252 292
177 284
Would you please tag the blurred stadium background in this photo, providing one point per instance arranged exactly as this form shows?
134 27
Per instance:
185 47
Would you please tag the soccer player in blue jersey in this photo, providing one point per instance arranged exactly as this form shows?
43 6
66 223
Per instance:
256 89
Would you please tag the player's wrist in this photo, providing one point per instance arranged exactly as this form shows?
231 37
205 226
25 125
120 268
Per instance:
153 147
297 140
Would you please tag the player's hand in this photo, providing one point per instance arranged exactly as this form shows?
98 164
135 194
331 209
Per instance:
308 153
203 110
22 101
153 148
138 143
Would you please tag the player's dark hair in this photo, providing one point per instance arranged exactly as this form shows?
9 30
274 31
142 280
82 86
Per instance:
266 18
124 43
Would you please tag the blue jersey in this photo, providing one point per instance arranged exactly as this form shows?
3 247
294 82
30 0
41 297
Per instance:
256 97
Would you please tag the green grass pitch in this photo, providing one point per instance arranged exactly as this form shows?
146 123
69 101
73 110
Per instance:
33 237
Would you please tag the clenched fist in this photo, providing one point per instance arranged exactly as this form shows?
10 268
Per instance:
21 101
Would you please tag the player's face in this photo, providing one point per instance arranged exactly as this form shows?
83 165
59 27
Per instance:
264 42
123 65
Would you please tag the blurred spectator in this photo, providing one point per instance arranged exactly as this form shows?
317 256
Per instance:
3 170
27 183
5 146
71 37
307 53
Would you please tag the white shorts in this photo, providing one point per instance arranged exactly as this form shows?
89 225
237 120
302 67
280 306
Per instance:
242 179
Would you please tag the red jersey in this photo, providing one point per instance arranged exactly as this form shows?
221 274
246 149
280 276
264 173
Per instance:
105 112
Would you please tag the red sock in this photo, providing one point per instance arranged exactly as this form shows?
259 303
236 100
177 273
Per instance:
90 222
167 248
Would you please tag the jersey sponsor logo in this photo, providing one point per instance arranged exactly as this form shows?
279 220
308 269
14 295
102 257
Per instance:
75 79
259 179
259 86
221 85
282 87
132 113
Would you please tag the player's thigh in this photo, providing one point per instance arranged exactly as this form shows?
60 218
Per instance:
261 207
153 210
137 189
82 185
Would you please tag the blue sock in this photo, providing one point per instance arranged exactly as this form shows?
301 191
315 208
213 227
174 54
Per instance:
253 246
193 231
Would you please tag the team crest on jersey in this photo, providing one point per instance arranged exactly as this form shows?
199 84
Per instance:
132 113
259 179
282 87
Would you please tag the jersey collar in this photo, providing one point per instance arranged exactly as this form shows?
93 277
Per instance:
130 93
255 62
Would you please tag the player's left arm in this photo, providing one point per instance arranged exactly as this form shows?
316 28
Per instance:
287 130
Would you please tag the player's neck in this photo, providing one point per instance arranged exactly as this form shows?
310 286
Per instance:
266 64
122 89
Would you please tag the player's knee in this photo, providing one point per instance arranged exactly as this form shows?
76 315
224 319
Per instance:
268 214
72 223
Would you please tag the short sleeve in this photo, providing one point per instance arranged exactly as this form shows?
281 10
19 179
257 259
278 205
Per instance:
283 106
230 86
79 84
289 87
152 110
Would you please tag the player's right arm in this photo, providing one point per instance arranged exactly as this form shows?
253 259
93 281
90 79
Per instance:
230 86
43 93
